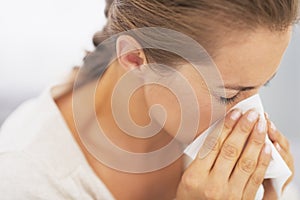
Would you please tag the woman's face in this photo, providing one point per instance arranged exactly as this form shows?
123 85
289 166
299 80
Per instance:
245 65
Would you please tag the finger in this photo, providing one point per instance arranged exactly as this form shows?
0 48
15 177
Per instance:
283 154
282 141
282 145
211 147
249 158
257 177
276 136
286 156
271 129
233 146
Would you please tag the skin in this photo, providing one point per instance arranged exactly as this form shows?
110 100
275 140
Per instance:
222 174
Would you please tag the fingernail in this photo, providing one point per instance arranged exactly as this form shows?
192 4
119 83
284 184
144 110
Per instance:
235 114
273 127
268 149
278 147
261 126
252 116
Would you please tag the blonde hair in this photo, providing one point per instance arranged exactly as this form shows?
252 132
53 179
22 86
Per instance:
206 21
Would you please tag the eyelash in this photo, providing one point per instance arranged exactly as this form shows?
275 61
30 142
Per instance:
231 100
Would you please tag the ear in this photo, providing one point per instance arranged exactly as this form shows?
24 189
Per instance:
130 53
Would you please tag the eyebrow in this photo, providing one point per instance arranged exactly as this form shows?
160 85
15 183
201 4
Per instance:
243 88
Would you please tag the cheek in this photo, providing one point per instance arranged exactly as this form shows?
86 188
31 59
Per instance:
156 94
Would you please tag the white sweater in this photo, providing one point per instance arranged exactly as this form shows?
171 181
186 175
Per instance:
40 159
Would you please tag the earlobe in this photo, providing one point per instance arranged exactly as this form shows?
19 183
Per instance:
129 52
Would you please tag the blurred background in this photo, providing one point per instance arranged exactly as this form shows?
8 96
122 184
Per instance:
41 40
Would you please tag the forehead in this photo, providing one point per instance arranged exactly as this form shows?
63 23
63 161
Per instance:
253 59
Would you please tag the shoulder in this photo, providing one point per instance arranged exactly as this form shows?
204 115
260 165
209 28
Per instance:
22 178
39 158
37 130
22 175
35 118
34 115
12 134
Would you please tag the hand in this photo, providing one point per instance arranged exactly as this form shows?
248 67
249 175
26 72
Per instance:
282 145
230 165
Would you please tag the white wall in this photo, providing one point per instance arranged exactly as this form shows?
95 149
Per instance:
39 41
282 98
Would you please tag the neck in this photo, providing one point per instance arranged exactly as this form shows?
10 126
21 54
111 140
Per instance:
138 113
159 184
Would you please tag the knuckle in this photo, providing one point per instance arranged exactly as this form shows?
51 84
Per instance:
211 143
213 192
291 162
189 182
244 127
257 179
257 142
234 195
227 127
247 165
265 161
287 143
229 151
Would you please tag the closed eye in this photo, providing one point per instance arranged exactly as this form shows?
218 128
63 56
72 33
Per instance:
231 100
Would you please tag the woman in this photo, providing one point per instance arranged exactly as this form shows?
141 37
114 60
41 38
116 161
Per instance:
55 152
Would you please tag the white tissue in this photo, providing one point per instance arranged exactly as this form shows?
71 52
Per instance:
277 171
